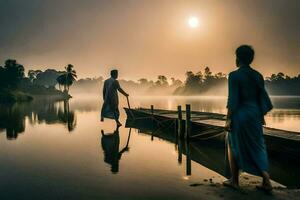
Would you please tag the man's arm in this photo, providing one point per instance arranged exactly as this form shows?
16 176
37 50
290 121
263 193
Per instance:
232 102
121 90
104 91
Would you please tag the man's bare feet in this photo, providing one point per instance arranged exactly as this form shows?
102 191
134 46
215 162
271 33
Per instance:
266 187
229 183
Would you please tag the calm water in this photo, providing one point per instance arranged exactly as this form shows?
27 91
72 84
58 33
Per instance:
61 150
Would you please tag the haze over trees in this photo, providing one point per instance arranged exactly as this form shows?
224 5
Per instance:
281 84
202 83
45 78
196 83
205 82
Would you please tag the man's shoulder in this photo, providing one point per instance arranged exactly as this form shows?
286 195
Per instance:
109 80
233 73
257 73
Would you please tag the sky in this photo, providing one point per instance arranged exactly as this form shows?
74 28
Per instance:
146 38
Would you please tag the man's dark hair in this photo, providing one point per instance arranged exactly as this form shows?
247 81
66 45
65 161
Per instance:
114 73
245 54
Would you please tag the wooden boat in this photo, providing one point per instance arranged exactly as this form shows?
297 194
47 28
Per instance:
210 126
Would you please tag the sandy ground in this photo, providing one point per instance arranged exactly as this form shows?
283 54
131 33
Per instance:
214 191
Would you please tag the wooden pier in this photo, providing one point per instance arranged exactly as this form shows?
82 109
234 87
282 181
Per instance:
194 125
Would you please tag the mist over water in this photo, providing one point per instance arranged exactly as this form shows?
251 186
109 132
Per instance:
285 115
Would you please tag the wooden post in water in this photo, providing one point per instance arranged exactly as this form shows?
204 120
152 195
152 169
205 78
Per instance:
152 119
179 151
187 121
188 158
179 122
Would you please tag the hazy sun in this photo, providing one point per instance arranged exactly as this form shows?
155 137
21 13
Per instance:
193 22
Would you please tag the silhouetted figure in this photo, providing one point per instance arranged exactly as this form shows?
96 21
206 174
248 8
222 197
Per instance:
248 102
110 144
110 107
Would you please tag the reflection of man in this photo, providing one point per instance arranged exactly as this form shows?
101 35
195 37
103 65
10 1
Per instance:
110 145
110 96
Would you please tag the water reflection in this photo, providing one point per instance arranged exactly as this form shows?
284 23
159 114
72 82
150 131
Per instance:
11 120
110 143
66 116
13 116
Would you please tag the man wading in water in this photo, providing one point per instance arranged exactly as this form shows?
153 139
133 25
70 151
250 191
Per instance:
110 107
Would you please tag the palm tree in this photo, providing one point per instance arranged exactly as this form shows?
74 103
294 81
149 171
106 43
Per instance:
67 78
61 81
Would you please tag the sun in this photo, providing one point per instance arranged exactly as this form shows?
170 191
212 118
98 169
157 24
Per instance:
193 22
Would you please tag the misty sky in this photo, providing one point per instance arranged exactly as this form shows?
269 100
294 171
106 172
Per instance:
145 38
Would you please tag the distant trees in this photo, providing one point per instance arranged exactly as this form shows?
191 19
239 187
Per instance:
68 77
281 84
176 82
201 82
46 78
38 82
162 81
11 74
15 86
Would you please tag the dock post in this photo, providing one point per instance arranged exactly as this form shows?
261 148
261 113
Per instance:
187 121
152 111
179 122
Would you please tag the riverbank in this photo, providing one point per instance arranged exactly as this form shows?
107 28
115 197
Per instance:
208 189
11 96
214 190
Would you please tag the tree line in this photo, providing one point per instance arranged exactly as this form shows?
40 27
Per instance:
12 77
16 86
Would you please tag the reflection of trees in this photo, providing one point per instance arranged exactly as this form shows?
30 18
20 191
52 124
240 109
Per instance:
66 116
12 117
12 120
282 115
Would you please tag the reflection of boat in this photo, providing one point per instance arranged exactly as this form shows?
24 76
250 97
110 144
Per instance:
206 125
211 153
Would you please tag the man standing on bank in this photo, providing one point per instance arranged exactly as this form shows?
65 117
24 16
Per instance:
248 102
110 107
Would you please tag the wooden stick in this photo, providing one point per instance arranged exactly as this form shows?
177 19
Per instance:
128 102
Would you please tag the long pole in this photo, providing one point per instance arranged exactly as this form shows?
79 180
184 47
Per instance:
128 103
